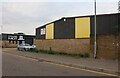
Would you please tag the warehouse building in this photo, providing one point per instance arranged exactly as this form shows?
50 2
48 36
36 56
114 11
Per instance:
76 35
12 40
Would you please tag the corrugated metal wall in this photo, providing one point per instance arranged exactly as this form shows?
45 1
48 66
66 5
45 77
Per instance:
79 27
65 29
106 24
38 33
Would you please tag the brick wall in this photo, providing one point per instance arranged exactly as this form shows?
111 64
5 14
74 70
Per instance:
65 45
6 44
106 46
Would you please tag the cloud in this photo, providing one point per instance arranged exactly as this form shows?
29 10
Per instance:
0 13
59 0
27 9
47 0
26 16
42 11
107 7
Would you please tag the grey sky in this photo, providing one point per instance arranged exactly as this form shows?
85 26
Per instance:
26 16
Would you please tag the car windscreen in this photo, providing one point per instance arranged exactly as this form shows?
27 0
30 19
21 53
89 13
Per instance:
26 45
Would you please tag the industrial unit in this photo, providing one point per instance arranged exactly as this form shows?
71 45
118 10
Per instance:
76 34
11 40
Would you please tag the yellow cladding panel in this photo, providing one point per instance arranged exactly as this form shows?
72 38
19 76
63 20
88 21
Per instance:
82 27
50 31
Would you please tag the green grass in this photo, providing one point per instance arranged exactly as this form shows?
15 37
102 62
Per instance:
83 54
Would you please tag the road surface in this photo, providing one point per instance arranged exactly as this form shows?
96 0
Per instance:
22 66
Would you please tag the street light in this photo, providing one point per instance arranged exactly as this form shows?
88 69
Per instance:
95 44
119 7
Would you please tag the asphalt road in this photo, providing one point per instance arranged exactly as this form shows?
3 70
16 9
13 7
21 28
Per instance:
21 66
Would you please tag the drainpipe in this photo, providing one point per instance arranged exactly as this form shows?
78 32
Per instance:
95 44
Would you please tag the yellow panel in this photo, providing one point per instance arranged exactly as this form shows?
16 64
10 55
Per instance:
50 31
82 27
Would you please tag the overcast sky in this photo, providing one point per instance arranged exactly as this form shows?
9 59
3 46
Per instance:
20 16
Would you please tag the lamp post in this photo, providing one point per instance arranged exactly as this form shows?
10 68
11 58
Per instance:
95 44
119 7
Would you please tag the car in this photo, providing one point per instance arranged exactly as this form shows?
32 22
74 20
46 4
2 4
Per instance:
25 47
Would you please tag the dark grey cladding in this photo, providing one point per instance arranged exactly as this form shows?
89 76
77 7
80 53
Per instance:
38 35
106 24
64 28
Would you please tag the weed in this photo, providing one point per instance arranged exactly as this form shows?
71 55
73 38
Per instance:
50 51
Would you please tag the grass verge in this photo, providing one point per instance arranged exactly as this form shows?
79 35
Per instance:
83 54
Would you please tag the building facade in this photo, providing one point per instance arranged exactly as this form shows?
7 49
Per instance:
76 35
11 40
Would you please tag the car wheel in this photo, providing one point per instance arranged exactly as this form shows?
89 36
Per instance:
17 48
24 49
